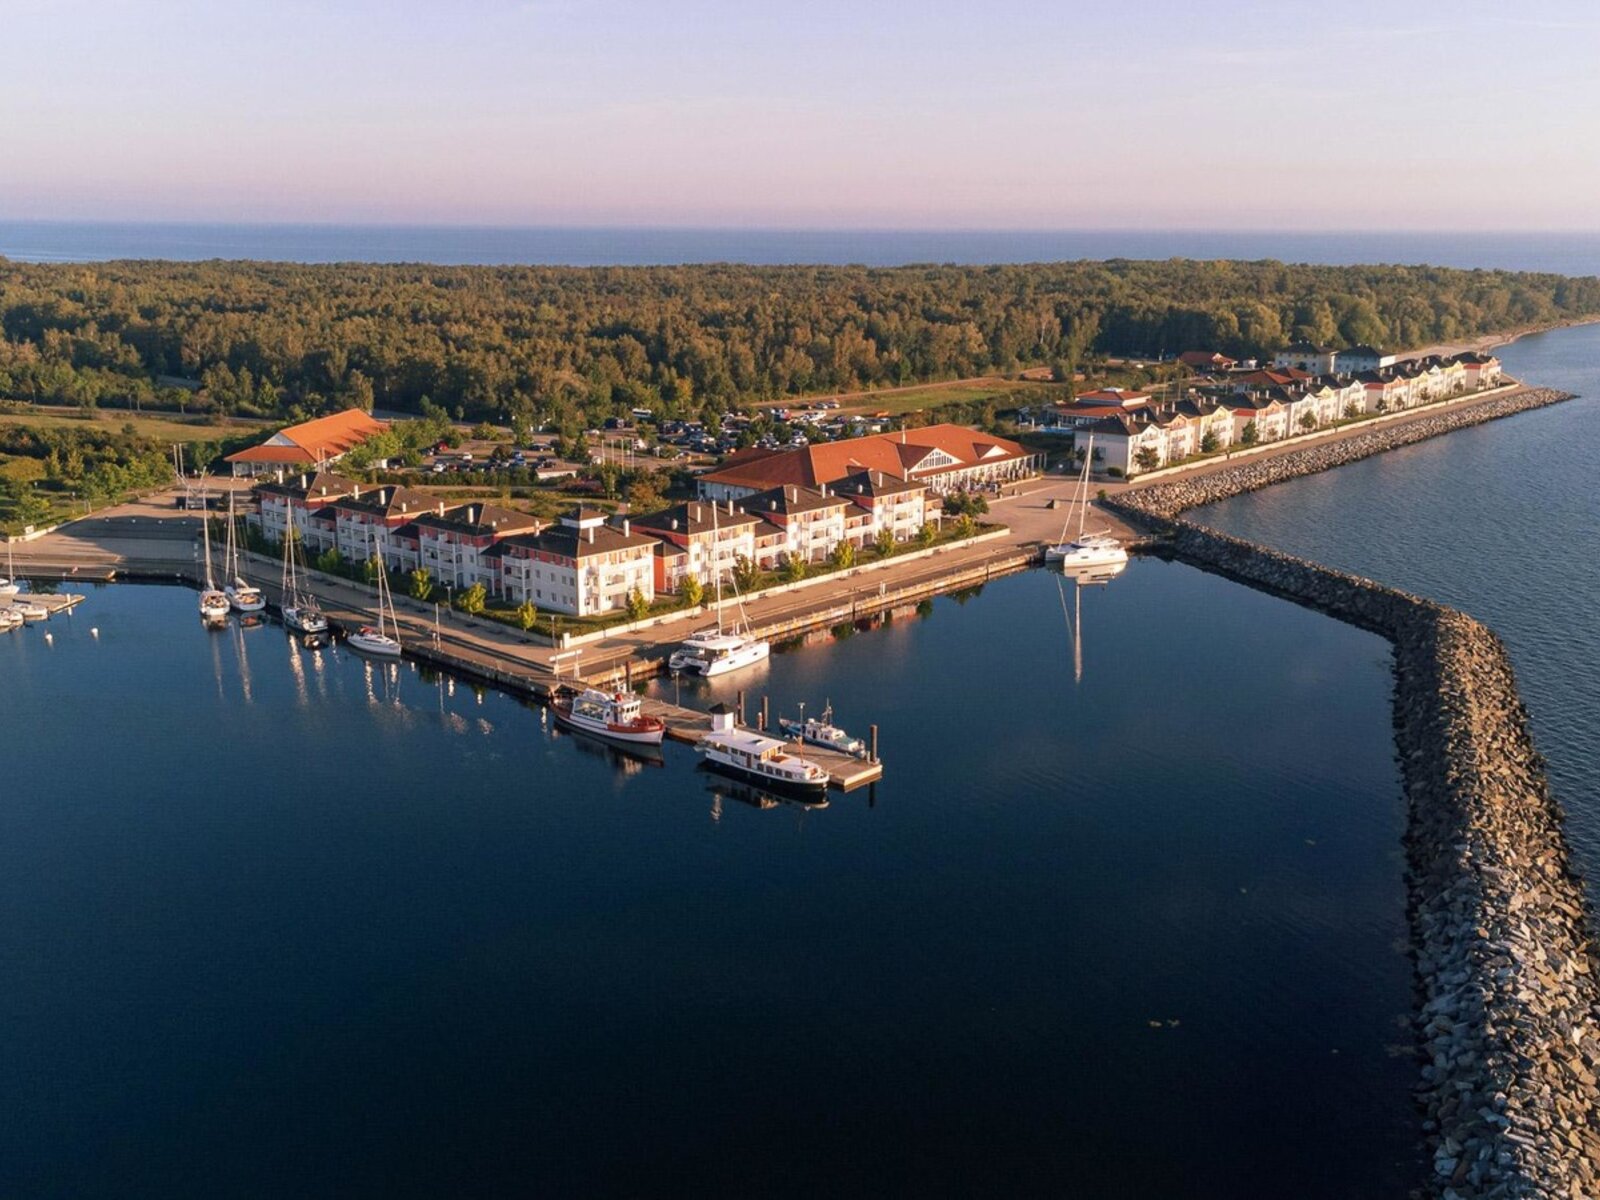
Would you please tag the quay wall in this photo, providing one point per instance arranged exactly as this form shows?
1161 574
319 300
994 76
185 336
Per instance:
1508 1016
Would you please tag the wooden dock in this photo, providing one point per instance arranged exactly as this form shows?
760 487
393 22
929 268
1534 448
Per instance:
56 604
688 725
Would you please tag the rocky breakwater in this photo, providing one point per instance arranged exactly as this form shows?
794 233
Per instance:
1508 1018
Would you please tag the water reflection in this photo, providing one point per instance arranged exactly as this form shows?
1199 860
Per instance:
626 760
724 787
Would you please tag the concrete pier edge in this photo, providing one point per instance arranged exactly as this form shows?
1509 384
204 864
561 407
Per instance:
1507 1019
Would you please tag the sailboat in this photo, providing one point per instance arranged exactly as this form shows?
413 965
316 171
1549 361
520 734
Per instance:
300 612
214 604
1087 549
712 652
372 639
8 582
239 593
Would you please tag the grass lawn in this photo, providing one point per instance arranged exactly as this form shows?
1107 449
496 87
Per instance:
165 428
936 395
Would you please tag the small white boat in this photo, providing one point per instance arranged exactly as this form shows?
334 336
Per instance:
10 619
1087 549
617 716
754 756
821 731
29 611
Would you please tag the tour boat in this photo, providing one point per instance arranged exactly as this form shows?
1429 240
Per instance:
300 612
821 731
1087 549
754 756
374 640
241 595
614 715
214 604
713 652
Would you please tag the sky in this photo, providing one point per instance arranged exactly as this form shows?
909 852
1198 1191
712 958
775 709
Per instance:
990 114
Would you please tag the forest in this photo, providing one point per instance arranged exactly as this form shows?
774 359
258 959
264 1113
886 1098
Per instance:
567 347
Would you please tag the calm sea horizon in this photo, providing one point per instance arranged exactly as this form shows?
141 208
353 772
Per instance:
1566 253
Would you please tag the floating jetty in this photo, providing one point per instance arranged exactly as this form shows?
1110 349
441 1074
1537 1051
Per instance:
845 771
55 604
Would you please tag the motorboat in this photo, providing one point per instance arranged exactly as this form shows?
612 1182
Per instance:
617 716
821 731
1087 549
711 653
754 756
29 611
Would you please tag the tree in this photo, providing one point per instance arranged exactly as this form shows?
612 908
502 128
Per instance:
644 493
745 572
1210 444
421 584
927 535
638 606
795 567
527 614
371 569
1146 459
473 600
966 525
691 591
1308 421
330 561
883 542
1250 435
844 555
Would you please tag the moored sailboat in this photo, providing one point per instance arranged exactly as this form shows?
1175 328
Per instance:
1087 549
713 652
377 640
241 595
214 604
300 611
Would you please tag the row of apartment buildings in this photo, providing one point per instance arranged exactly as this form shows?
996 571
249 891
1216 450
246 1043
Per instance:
587 562
1276 403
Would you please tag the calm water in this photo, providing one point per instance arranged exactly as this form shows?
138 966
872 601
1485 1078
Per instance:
271 923
65 241
1499 520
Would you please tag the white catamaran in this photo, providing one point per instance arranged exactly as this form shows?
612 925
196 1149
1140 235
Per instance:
374 640
713 652
1087 549
214 604
300 611
240 594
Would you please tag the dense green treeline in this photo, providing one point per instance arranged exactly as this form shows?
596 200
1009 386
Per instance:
569 346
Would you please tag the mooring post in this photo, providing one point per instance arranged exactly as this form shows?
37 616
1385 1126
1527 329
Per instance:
872 751
741 706
627 674
763 717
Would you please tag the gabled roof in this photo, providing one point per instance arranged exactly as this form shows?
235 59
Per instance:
387 501
314 441
319 486
692 517
790 500
479 520
568 541
902 454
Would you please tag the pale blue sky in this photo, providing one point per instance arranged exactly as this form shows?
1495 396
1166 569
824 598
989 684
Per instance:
1005 114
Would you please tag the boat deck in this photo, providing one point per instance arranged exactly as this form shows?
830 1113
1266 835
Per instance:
688 725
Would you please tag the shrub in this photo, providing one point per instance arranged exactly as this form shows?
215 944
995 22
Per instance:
421 586
473 599
883 543
692 591
844 555
527 614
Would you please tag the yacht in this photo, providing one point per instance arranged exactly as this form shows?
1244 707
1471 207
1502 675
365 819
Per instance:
713 652
300 611
761 759
821 731
617 716
376 640
1087 549
214 604
240 594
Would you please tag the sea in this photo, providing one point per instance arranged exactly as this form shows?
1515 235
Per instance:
1124 917
1499 520
73 241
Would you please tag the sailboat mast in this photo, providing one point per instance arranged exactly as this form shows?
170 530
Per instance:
205 533
1083 486
716 564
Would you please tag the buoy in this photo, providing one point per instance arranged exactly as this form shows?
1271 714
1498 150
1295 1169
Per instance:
49 638
94 631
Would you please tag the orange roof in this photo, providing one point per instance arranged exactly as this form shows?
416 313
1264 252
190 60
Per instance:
315 441
900 454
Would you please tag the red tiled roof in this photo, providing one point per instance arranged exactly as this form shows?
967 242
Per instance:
313 441
892 453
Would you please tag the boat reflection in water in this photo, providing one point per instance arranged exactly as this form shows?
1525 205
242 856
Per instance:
1101 573
627 758
726 787
1083 576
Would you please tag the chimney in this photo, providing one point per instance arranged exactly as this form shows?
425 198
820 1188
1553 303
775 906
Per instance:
627 527
674 523
591 535
441 508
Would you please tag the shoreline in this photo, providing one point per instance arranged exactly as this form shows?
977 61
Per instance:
1508 975
1493 341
